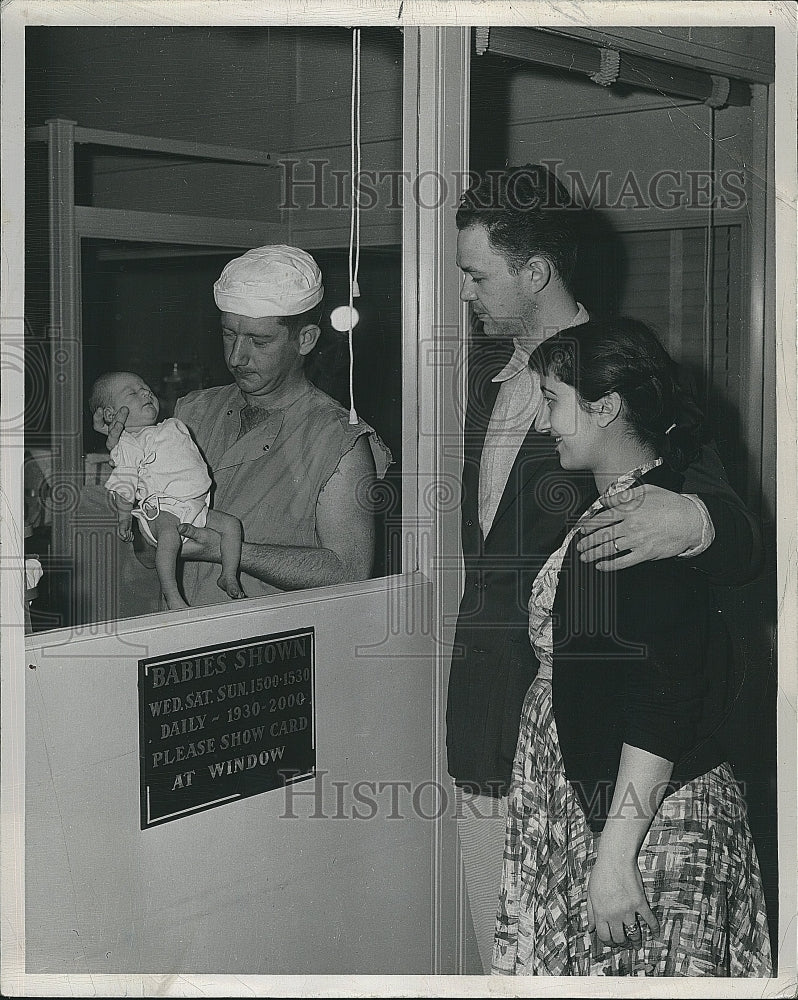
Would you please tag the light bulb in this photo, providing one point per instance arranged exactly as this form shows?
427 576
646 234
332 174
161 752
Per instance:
339 318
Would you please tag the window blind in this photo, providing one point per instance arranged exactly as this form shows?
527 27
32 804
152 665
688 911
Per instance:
662 281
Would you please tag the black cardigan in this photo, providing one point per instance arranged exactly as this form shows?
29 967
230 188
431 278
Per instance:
492 660
640 657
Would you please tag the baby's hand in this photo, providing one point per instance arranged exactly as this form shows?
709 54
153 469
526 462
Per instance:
124 528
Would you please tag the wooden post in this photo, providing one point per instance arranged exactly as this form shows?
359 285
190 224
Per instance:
757 270
66 382
441 102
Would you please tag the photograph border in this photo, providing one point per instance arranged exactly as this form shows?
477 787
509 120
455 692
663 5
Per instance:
16 14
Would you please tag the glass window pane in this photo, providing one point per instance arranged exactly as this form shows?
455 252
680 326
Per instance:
146 276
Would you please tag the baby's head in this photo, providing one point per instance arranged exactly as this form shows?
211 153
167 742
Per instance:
116 389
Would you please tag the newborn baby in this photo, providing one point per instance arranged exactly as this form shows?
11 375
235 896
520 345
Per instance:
160 478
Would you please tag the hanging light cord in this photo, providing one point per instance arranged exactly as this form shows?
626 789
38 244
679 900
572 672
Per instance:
354 222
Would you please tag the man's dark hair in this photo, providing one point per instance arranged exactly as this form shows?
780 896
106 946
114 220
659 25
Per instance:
318 365
525 211
310 316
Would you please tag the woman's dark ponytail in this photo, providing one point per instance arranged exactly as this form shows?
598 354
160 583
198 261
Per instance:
682 438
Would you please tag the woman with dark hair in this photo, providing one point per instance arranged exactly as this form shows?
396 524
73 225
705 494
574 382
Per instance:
628 850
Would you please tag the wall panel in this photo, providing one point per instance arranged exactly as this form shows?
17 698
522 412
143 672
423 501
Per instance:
241 888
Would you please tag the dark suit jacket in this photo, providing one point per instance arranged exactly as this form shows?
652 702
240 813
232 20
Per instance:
492 660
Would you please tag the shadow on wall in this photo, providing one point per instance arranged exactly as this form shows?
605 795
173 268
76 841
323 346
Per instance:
602 267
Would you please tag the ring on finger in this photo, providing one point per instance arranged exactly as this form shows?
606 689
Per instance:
615 546
631 930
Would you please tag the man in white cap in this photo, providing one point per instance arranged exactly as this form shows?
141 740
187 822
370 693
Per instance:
284 457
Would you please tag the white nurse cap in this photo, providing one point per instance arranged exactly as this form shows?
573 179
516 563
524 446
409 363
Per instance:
269 281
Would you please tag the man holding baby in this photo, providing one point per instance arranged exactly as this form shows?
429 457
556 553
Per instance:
284 457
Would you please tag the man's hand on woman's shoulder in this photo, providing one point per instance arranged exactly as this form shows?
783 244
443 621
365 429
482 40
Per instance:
640 525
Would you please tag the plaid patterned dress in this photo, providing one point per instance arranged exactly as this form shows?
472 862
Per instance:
698 864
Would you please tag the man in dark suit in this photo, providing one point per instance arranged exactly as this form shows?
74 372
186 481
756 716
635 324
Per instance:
517 251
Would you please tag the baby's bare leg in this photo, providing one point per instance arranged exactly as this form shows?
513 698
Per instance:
164 527
232 534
